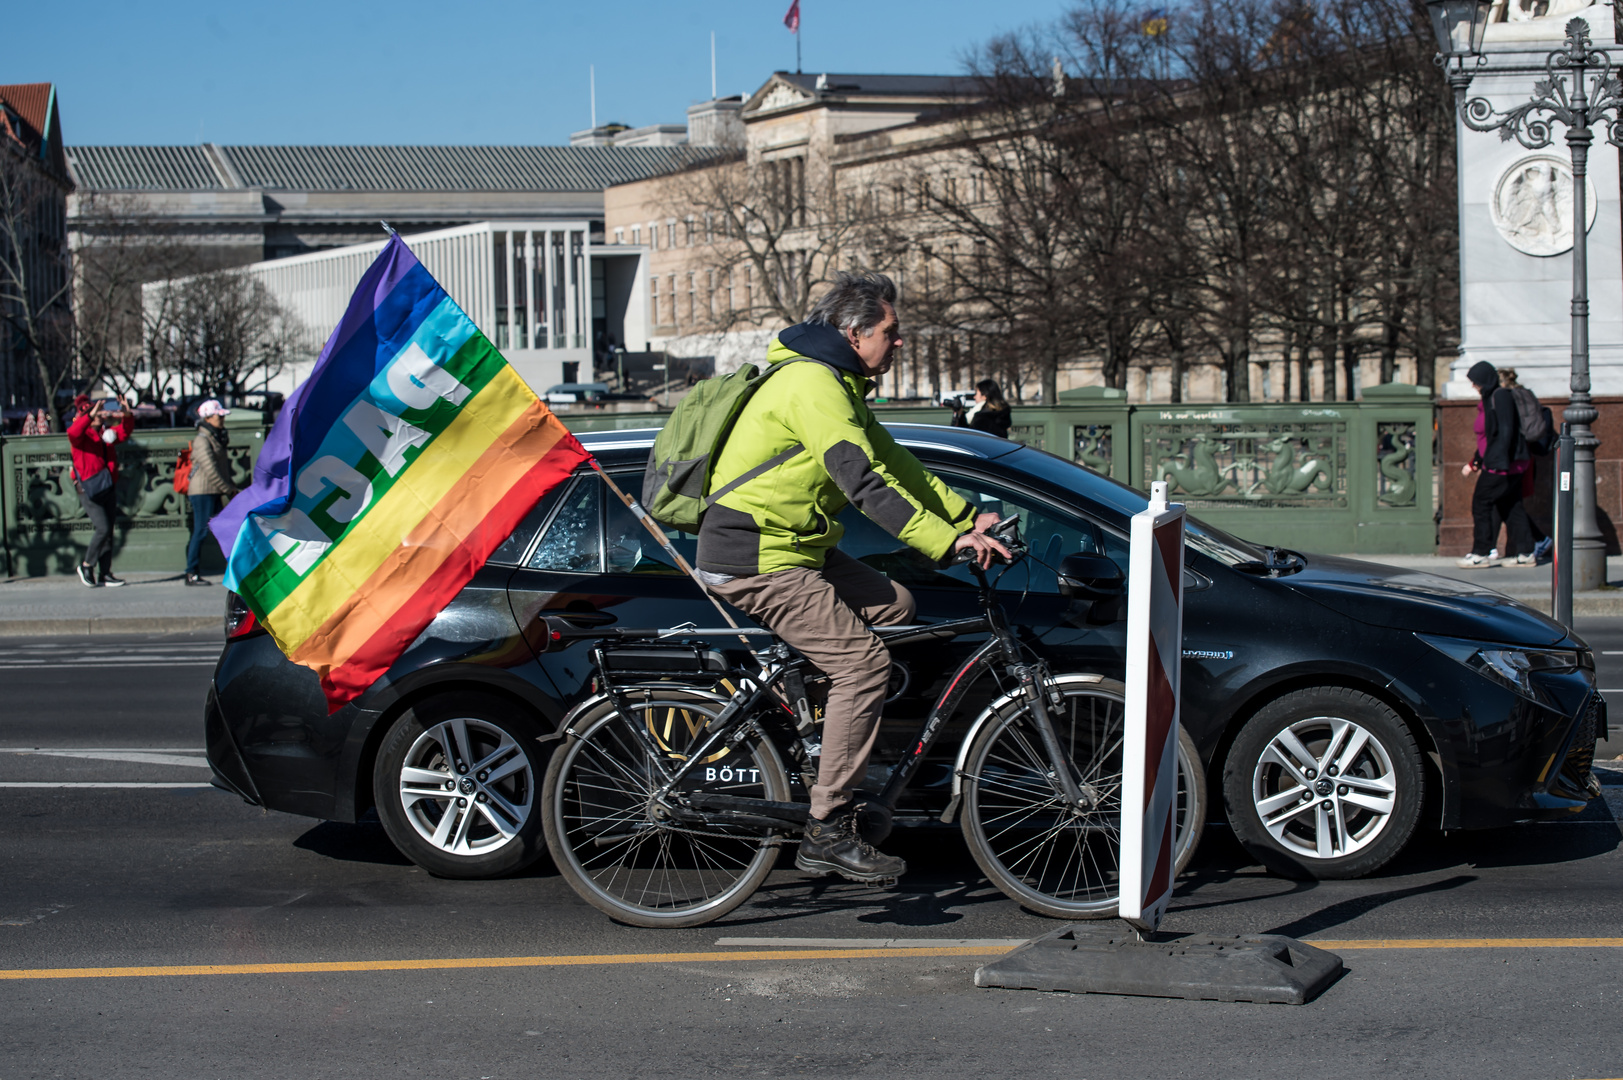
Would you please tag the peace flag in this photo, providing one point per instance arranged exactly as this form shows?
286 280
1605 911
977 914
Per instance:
409 454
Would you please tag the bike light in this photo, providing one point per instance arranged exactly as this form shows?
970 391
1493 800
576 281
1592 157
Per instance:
1510 667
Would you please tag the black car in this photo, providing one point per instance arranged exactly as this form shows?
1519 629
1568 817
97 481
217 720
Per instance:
1336 704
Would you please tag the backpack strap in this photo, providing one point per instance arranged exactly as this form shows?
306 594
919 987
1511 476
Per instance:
776 459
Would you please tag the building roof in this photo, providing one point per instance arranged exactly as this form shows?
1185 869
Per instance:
903 85
32 102
371 168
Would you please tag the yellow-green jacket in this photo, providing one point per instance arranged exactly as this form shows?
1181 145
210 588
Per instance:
784 516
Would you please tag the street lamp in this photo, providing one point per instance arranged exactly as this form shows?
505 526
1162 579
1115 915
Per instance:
1580 92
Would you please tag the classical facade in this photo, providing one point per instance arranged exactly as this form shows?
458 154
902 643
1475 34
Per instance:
34 268
841 170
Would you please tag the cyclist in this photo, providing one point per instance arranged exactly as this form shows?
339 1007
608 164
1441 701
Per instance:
806 446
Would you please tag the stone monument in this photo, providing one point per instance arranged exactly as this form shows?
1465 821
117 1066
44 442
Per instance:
1516 220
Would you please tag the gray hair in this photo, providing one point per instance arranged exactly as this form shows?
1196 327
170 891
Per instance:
856 302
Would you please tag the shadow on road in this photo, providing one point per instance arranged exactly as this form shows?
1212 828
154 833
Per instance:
1346 910
362 842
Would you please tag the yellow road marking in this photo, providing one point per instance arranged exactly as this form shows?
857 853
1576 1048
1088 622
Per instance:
486 962
1472 943
591 960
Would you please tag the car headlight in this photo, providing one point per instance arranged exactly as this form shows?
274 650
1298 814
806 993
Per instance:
1512 668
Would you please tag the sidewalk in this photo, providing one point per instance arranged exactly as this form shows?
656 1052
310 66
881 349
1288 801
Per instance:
152 603
1529 584
157 603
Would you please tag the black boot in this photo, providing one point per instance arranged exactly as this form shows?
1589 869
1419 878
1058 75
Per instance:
834 847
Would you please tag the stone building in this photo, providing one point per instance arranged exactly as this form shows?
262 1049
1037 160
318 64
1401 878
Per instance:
34 282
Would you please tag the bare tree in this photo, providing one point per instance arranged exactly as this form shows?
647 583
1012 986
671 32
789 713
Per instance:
35 283
223 332
112 326
758 237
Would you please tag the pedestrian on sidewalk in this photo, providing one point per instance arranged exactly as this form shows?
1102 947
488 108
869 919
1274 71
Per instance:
1500 460
94 436
210 483
1542 543
990 413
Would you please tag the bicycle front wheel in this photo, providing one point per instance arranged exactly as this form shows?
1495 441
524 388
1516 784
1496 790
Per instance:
626 854
1014 821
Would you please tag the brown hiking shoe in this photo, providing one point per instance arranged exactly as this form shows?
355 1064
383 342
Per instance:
834 847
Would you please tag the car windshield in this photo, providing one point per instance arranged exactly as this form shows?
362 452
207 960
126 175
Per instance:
1208 540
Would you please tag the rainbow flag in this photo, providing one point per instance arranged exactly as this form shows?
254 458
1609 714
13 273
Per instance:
393 471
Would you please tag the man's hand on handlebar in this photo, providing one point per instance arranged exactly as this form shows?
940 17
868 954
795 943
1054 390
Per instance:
985 521
979 548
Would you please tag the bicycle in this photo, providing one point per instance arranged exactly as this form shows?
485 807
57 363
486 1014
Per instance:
668 800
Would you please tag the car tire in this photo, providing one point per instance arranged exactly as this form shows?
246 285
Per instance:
1324 783
487 823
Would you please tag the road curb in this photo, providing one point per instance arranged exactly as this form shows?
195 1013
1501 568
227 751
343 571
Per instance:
82 626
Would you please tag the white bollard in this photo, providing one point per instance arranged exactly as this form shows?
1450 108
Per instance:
1150 748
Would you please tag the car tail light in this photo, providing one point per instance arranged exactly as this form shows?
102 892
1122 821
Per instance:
239 619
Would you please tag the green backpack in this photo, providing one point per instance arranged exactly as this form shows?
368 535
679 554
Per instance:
686 447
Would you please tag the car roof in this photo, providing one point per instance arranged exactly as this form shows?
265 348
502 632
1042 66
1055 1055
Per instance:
964 441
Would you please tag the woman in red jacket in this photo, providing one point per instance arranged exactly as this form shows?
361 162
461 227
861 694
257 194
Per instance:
94 435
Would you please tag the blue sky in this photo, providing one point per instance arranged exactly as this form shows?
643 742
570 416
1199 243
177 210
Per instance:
491 71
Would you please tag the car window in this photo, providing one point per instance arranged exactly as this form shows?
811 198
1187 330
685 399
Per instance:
1050 534
511 553
573 542
630 548
593 532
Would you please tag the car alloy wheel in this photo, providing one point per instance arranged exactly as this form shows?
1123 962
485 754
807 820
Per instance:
457 784
1325 802
466 787
1324 783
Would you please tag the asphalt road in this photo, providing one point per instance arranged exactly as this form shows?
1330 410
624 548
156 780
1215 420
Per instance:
110 878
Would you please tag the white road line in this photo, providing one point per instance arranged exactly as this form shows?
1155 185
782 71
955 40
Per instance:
872 943
104 663
103 749
139 757
87 784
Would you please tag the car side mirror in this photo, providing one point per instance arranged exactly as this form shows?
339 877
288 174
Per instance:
1091 578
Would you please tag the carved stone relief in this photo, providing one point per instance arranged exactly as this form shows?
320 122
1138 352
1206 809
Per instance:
1532 205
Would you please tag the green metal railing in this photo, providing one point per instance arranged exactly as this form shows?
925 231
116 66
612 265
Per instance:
1338 477
45 527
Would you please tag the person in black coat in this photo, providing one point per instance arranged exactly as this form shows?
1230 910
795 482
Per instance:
1499 462
990 413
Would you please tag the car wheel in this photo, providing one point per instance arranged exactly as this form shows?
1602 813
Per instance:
457 785
1324 783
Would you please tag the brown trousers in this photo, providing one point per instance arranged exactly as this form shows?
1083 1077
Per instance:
824 614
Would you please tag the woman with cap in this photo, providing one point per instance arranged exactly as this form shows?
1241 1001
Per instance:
94 436
210 481
1501 459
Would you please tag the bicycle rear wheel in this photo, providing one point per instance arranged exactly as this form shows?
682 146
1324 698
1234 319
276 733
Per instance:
623 852
1050 861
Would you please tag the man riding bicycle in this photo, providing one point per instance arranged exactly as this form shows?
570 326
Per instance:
767 543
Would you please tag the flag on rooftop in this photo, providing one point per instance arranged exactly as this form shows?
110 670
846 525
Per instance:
392 473
792 19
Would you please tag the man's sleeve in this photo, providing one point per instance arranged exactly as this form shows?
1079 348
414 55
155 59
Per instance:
925 486
822 413
76 428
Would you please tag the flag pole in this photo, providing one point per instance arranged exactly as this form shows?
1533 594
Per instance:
664 541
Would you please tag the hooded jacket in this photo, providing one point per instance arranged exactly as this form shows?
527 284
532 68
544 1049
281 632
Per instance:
785 517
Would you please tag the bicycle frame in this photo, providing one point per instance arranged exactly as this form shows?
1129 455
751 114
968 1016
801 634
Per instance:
740 717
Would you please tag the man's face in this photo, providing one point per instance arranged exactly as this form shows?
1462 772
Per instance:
878 349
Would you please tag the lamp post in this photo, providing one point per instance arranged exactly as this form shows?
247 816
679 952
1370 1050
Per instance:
1579 92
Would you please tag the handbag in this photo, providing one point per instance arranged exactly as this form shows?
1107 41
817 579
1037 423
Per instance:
97 486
